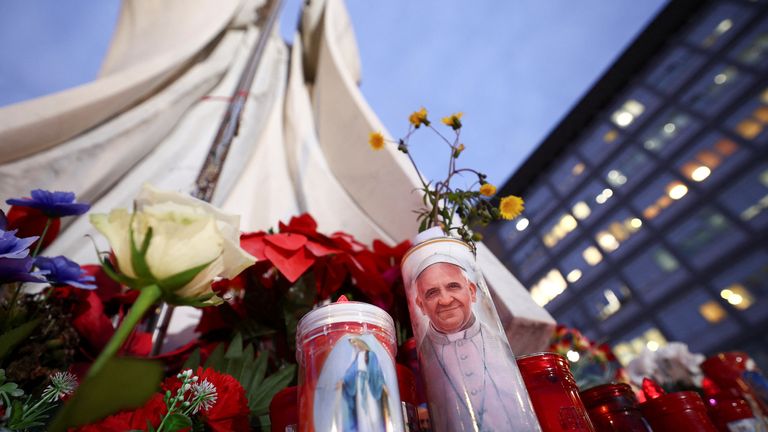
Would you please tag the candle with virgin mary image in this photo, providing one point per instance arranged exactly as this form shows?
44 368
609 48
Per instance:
472 380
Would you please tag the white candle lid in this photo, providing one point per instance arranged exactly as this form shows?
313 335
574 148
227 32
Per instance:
344 312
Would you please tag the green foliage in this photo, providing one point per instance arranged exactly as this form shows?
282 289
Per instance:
10 339
240 361
123 383
176 422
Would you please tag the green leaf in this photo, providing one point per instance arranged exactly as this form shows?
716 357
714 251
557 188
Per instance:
259 370
193 361
123 383
233 358
13 337
245 374
177 281
216 359
175 422
138 256
259 402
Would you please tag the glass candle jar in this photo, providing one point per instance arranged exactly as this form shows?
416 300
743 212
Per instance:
347 376
677 412
554 393
733 414
469 370
613 408
728 370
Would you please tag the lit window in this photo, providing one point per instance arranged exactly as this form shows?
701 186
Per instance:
610 136
549 287
581 210
522 224
719 30
676 190
603 196
577 169
738 296
607 241
712 312
667 129
628 112
592 256
573 276
562 228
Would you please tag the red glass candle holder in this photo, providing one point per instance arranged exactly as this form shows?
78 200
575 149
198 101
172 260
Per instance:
732 414
284 410
554 393
613 408
726 370
347 375
677 412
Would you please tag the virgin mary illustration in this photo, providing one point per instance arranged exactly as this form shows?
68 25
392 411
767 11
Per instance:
362 395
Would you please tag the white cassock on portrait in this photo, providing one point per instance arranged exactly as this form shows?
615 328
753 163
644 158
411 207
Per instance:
472 380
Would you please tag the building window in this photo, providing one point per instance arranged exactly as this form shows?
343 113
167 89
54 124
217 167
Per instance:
669 131
628 113
547 288
654 273
717 87
511 232
751 121
705 236
629 168
621 227
753 49
539 200
659 197
578 265
591 201
714 157
698 319
558 229
567 174
629 346
748 197
744 286
719 26
529 258
598 144
674 69
608 299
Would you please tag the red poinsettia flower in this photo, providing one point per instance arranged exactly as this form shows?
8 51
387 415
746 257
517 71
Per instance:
151 413
230 410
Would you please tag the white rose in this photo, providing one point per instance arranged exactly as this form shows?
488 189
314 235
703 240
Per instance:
186 233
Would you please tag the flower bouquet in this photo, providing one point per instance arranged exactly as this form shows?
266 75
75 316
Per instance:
75 351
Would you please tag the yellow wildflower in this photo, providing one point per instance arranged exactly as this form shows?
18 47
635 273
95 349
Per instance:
453 120
511 206
417 118
376 140
488 190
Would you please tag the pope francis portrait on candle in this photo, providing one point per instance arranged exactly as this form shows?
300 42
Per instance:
468 368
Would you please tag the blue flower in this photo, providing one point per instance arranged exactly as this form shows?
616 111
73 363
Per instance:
52 204
19 270
12 247
63 271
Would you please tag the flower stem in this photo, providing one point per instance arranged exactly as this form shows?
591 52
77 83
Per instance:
42 237
147 298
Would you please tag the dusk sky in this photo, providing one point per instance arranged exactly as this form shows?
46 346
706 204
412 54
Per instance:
514 68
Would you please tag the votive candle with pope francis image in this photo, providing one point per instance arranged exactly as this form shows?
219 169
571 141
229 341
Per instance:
472 380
